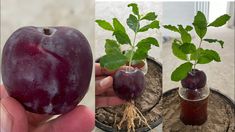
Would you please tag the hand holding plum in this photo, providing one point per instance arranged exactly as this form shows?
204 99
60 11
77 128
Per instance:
105 95
14 118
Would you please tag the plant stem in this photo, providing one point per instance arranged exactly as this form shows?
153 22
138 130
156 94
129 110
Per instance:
195 62
133 47
132 51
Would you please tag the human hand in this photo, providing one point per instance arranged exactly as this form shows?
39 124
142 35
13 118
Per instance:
14 118
105 95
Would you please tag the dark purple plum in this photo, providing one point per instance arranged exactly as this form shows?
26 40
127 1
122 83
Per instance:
128 85
195 79
48 70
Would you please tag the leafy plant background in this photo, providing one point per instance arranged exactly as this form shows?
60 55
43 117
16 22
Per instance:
120 11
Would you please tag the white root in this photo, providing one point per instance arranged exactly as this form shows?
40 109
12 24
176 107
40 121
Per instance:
130 114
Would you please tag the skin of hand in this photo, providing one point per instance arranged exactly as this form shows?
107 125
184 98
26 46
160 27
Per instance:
105 95
14 118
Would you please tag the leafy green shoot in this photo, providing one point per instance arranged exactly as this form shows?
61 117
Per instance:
115 57
187 51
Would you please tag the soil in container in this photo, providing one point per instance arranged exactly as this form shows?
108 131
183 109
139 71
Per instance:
220 110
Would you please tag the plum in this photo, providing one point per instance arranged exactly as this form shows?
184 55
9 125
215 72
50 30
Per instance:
195 79
129 84
48 70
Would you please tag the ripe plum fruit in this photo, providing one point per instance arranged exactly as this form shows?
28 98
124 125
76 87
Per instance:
195 79
48 70
129 84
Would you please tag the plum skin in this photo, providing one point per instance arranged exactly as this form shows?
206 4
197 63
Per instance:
47 70
194 80
128 85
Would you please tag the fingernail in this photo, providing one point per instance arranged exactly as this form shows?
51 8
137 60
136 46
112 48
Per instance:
105 82
6 120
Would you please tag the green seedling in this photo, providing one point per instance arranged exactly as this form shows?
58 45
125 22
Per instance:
114 57
186 50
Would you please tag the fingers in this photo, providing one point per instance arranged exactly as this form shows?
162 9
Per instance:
13 116
101 71
108 92
103 84
108 101
81 119
35 119
98 70
106 96
3 92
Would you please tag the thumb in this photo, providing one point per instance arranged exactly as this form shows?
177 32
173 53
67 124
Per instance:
80 119
13 116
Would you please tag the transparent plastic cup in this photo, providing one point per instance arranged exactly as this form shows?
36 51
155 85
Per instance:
142 65
194 105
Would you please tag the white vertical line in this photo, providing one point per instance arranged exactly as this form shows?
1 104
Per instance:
204 8
208 11
200 6
195 7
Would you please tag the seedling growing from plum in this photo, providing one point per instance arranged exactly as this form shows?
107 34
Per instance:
186 50
194 93
129 84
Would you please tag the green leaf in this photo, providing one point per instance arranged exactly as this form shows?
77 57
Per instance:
212 54
118 26
140 55
127 53
111 46
135 8
200 24
188 28
152 25
172 28
188 48
185 36
204 59
220 21
200 56
113 61
105 25
177 51
122 37
195 55
133 23
205 56
120 32
149 40
214 41
149 16
142 52
143 47
181 72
